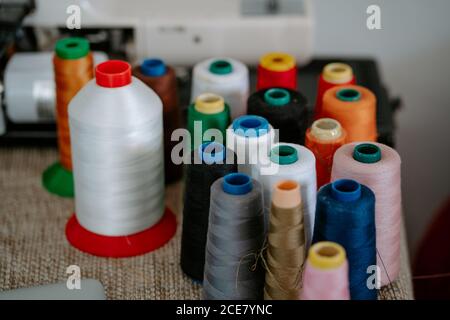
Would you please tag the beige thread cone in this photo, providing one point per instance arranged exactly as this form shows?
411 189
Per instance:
286 243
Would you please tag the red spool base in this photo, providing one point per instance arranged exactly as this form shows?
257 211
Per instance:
122 246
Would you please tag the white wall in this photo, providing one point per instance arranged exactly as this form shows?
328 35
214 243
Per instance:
413 50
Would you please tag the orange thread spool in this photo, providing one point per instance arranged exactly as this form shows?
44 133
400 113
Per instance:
323 138
73 66
355 109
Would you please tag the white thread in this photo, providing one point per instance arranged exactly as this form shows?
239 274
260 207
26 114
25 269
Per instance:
233 87
303 171
250 150
117 155
30 86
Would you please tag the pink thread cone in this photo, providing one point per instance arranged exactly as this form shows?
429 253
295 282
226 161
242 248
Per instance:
326 273
383 177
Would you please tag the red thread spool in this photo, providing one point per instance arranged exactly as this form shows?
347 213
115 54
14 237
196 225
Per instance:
323 138
277 70
333 74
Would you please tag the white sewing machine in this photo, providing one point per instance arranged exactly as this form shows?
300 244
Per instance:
184 32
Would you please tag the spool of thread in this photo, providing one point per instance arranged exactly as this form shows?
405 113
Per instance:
29 80
291 162
208 112
117 151
323 138
378 167
208 163
326 273
285 110
162 79
333 74
286 243
226 77
73 67
250 138
276 70
345 214
355 109
235 240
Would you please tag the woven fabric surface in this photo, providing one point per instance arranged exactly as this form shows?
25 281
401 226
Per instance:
34 250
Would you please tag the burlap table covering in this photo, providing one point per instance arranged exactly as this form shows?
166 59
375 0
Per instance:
34 250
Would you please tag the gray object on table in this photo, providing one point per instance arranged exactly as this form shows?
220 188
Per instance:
90 289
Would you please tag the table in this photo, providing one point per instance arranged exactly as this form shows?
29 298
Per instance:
34 250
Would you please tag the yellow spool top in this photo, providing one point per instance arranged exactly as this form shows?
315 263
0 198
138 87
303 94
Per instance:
326 255
209 103
326 129
337 73
277 61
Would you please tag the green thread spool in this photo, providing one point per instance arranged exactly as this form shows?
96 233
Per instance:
213 113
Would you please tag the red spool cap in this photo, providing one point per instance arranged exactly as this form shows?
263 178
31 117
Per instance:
113 74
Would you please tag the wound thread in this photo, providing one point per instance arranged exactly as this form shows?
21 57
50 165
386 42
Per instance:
284 109
286 243
326 273
162 79
323 138
378 167
333 74
277 70
251 138
345 214
208 112
280 166
208 163
355 109
225 77
73 68
117 152
234 243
